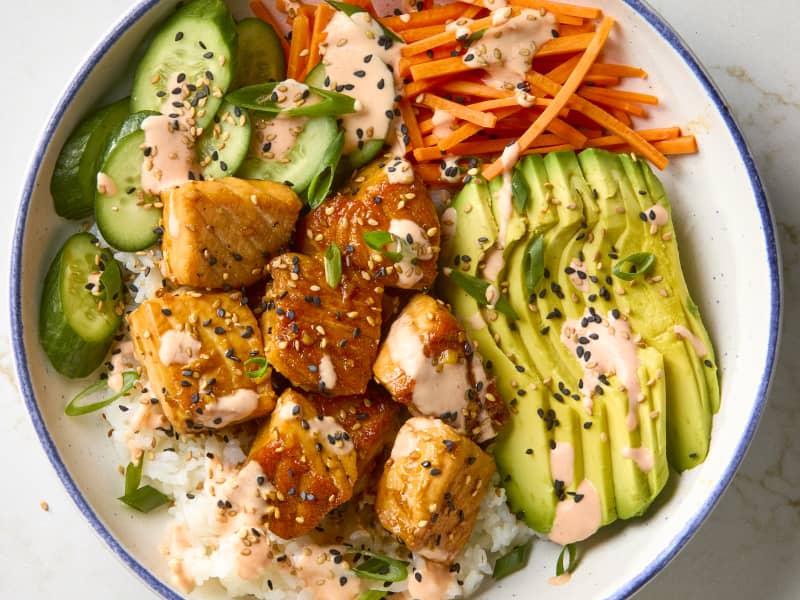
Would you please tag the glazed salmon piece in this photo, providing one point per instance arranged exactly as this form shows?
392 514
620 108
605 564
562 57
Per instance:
371 202
427 363
311 461
372 420
321 339
221 233
194 348
432 487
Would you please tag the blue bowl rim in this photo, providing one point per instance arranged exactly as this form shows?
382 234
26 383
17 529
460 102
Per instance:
629 587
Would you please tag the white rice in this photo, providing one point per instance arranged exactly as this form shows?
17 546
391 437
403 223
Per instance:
184 468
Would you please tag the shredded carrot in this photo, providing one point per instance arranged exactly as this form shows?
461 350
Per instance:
415 88
459 111
567 133
601 81
569 20
573 10
443 38
410 120
261 11
565 44
562 97
601 117
624 95
421 33
469 129
437 68
597 97
682 145
430 173
322 16
618 70
474 88
622 116
586 27
298 49
484 146
438 15
651 135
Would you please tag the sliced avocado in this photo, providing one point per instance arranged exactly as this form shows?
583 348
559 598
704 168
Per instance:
659 301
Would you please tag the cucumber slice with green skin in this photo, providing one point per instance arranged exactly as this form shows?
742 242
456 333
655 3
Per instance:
223 146
73 182
130 125
76 324
196 46
367 150
125 214
261 56
304 157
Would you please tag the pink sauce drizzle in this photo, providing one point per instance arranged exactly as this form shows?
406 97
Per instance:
577 520
643 457
562 459
697 343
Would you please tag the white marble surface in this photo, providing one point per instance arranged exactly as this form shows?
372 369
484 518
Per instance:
749 546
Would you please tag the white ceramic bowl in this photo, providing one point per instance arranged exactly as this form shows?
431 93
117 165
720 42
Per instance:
729 253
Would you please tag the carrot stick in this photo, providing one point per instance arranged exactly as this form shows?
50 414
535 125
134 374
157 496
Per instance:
436 68
437 15
567 133
622 116
547 149
430 173
562 71
569 20
562 97
473 88
261 11
421 33
651 135
443 38
682 145
573 10
415 88
625 95
323 15
565 44
601 81
406 62
585 27
484 119
483 146
298 49
602 118
469 129
410 119
599 98
618 70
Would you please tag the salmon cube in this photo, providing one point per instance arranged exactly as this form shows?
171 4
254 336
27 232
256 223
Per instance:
311 461
321 339
221 233
203 354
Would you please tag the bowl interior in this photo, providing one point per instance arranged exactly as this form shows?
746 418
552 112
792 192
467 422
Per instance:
729 256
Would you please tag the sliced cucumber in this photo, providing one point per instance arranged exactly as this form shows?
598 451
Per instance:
261 56
223 147
366 151
195 47
79 311
304 157
125 214
130 125
73 181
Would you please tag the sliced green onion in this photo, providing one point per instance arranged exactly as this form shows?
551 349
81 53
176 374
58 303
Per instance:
474 36
351 9
261 369
476 288
322 181
519 190
512 562
533 263
572 551
378 240
133 476
145 499
373 595
633 266
333 265
259 98
381 568
129 378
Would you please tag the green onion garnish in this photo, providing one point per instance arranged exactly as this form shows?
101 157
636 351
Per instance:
322 181
261 97
533 263
477 289
572 551
372 595
512 562
145 499
72 409
351 9
261 364
633 266
133 475
382 568
333 265
474 36
519 190
378 240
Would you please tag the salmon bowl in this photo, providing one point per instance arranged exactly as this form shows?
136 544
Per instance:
731 265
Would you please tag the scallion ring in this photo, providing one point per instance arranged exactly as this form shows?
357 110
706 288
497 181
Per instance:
333 265
378 240
145 499
572 551
477 288
381 568
512 562
533 264
261 370
633 266
133 475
